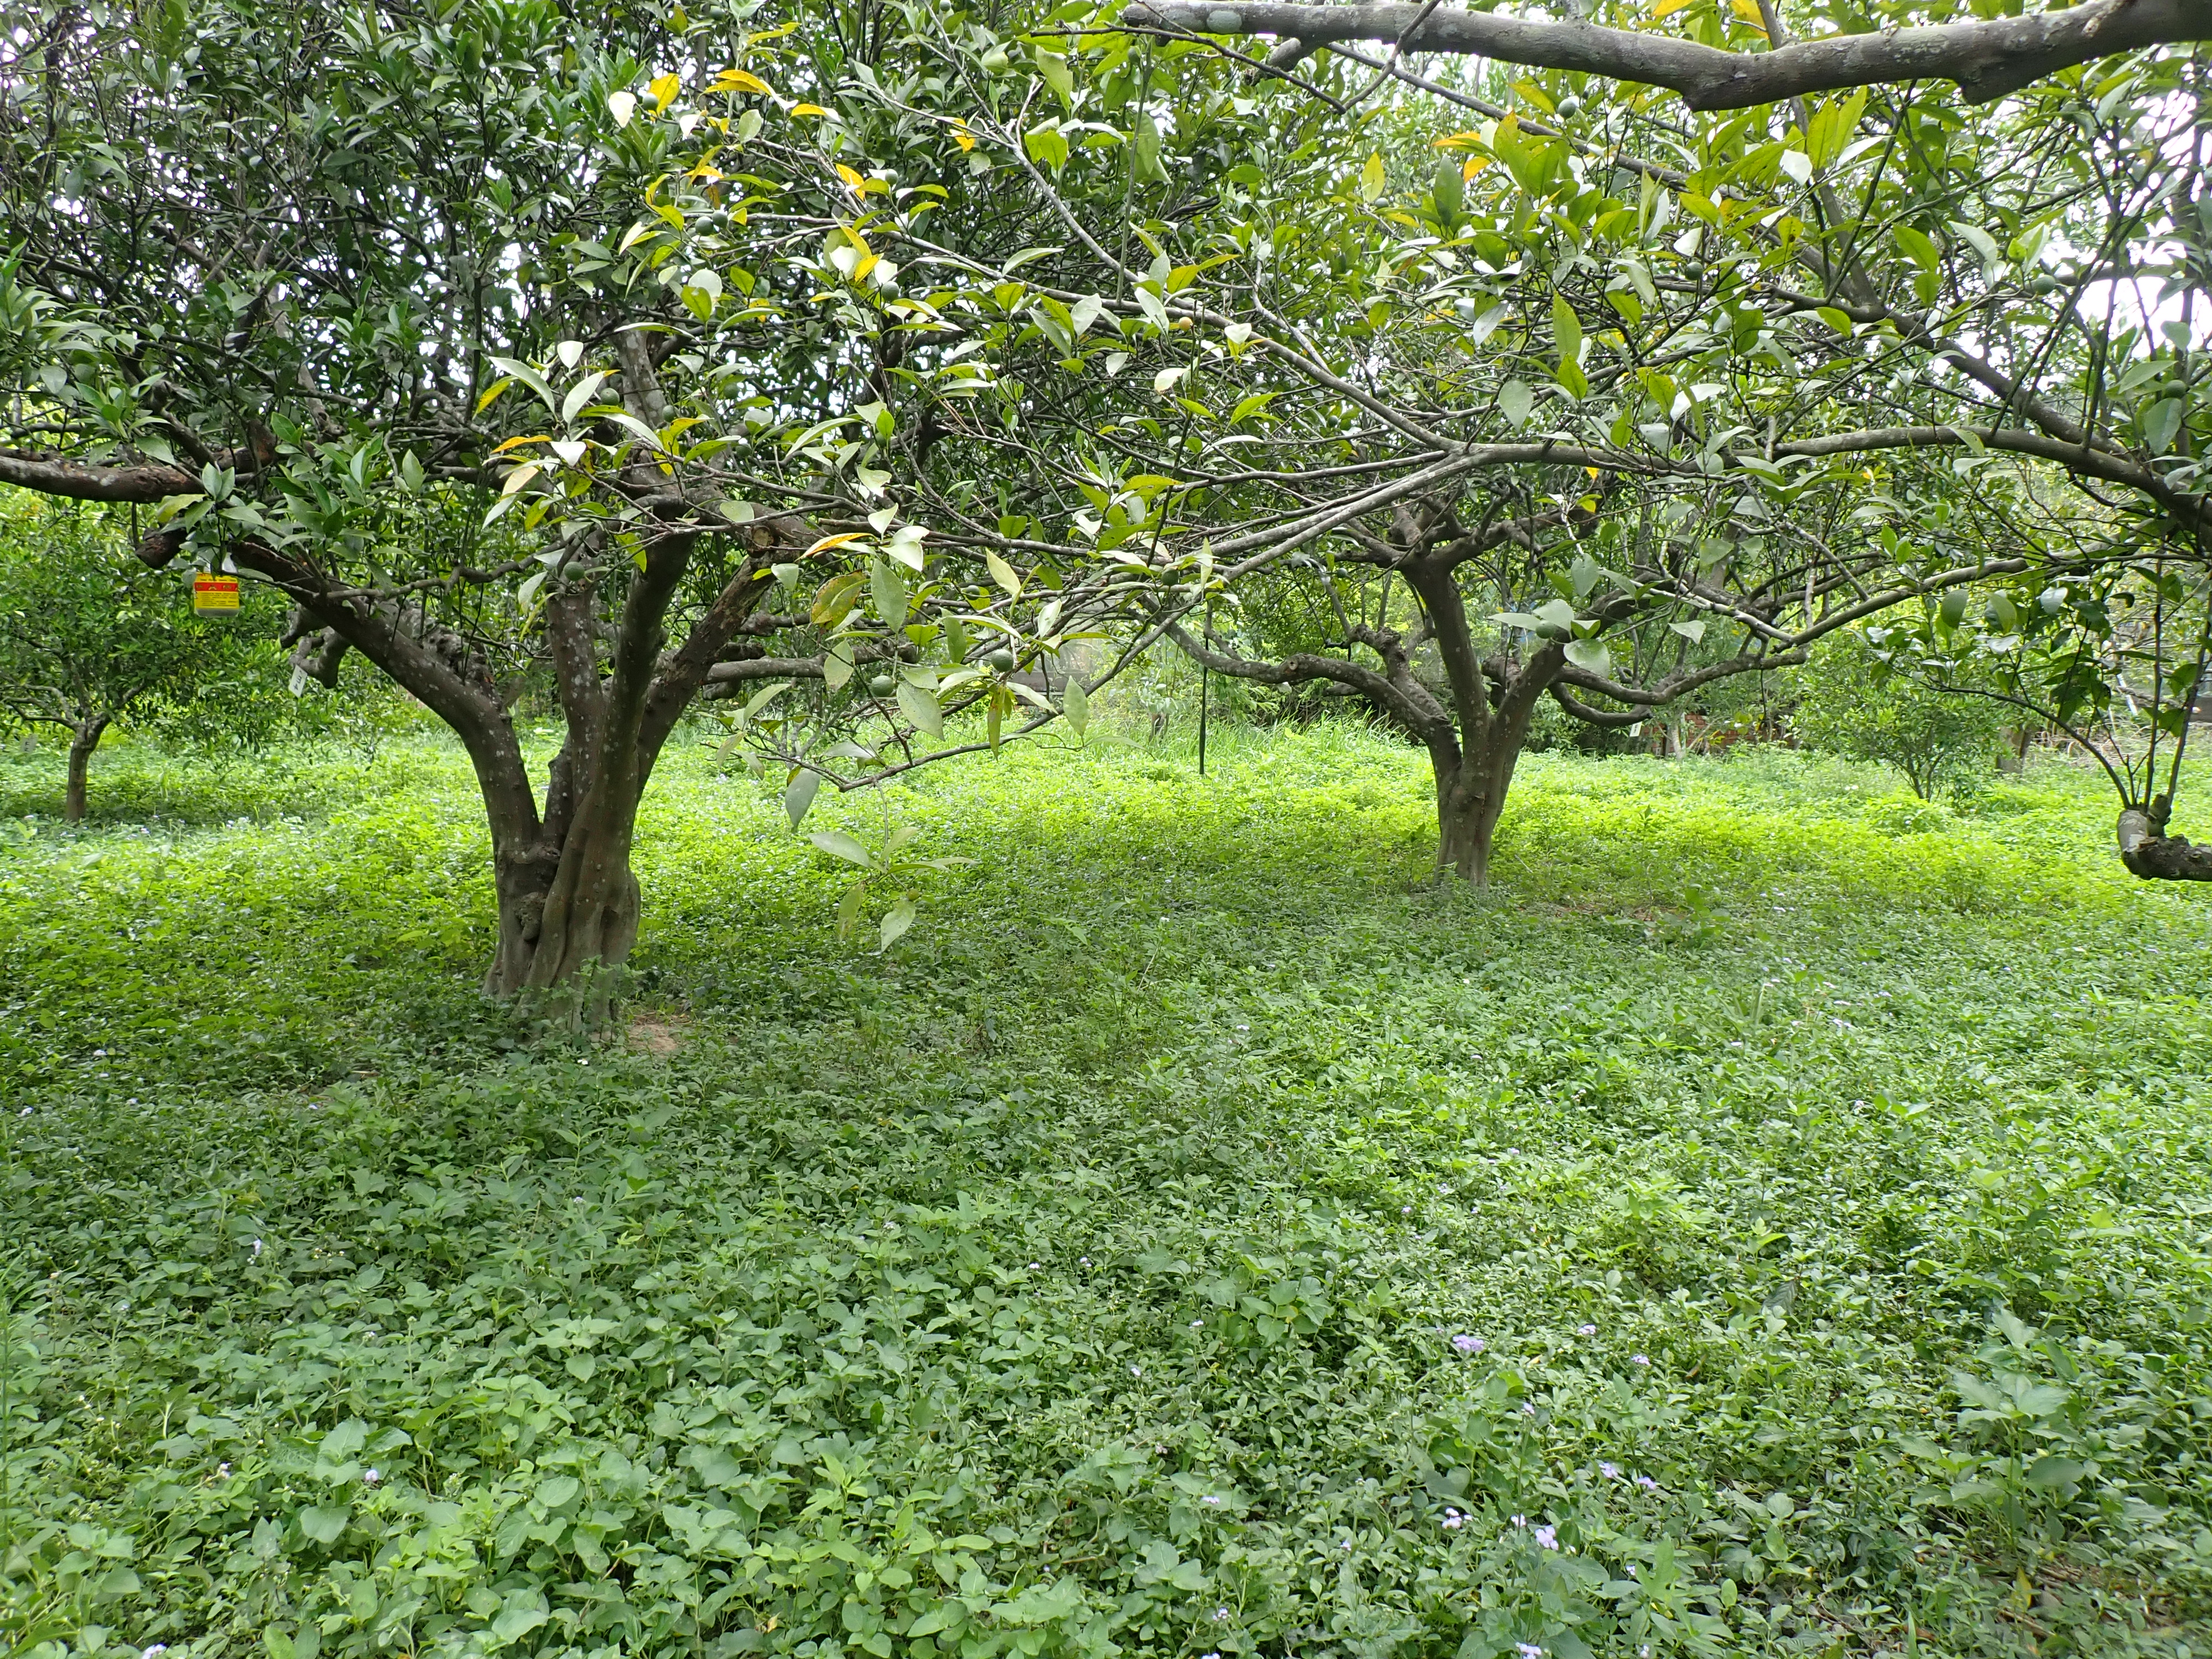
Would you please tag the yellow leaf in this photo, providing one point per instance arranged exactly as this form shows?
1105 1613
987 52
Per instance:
1474 165
851 178
512 442
491 393
1748 10
1668 7
664 90
963 137
808 109
737 79
828 542
521 475
1457 140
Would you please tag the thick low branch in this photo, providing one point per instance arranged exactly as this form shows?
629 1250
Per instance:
1610 718
1676 685
1987 59
2154 857
143 482
724 678
1306 665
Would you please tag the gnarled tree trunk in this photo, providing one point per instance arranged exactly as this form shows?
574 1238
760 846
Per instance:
570 903
1471 790
1472 752
2151 855
83 739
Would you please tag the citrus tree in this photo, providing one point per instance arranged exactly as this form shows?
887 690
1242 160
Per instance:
91 638
500 337
1845 352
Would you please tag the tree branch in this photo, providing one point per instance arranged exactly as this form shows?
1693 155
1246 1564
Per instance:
2156 857
143 482
1306 666
1987 59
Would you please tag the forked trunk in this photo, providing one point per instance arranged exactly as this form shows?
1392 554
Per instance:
1471 794
82 741
570 921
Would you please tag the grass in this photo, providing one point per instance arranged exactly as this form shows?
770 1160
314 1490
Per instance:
1774 1219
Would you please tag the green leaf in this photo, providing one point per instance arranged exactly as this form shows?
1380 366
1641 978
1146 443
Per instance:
895 921
2161 423
530 377
887 591
1057 75
1046 146
523 1613
1566 330
324 1524
838 844
559 1490
1832 125
920 708
799 794
1075 703
581 393
1514 401
1917 248
2050 1471
1590 656
837 664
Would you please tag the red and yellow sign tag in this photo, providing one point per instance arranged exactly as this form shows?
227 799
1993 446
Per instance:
215 592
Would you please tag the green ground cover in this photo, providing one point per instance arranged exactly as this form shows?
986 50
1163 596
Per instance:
1774 1220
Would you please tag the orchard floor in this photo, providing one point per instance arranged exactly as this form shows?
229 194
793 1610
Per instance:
1774 1219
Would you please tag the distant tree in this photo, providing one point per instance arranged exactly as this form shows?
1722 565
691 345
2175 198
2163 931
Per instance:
89 636
1851 702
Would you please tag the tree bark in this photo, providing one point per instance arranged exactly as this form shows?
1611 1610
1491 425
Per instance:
569 904
1472 784
82 741
1988 59
2152 855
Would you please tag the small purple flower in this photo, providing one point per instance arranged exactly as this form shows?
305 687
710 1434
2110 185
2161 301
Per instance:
1520 1520
1640 1360
1548 1537
370 1477
1585 1330
1647 1483
1528 1650
1211 1498
1528 1408
1454 1520
1610 1471
1466 1344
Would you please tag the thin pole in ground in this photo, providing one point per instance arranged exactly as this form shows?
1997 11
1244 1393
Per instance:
1204 679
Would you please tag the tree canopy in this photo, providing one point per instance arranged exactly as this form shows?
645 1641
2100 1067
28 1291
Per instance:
850 360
